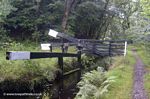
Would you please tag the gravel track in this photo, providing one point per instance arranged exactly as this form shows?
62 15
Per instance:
138 85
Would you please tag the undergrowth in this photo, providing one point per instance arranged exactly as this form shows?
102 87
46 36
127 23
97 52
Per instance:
94 85
119 80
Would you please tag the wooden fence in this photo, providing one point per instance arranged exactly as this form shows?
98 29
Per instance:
96 47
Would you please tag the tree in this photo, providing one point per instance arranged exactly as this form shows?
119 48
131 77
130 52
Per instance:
121 23
69 4
145 7
96 19
88 18
33 18
5 9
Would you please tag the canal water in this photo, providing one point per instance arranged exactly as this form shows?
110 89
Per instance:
65 88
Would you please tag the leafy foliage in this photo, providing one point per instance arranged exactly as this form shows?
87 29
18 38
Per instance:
145 7
94 85
87 19
33 18
5 9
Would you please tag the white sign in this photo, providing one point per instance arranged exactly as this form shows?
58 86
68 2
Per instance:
53 33
45 46
19 55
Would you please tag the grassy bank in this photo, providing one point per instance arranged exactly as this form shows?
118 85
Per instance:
27 75
122 69
19 68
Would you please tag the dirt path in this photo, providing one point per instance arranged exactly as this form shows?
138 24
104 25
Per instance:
138 87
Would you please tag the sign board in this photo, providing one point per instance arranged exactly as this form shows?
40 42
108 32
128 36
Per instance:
19 55
45 46
53 33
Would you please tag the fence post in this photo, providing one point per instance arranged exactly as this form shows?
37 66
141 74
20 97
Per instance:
94 47
79 46
79 65
125 48
66 45
60 63
109 48
62 48
51 48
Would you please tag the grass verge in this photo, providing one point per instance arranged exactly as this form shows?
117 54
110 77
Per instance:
123 71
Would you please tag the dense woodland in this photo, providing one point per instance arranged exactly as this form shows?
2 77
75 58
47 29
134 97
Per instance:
91 19
24 24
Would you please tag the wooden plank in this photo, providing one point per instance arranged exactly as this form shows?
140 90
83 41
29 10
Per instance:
96 53
115 47
71 72
93 40
61 44
117 44
122 51
18 55
36 55
102 45
113 54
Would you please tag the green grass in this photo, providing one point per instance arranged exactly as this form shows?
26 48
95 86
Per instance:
20 68
147 84
123 71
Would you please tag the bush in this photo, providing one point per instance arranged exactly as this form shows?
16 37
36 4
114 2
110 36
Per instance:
92 62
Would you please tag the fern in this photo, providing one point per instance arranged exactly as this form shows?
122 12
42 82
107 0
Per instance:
94 85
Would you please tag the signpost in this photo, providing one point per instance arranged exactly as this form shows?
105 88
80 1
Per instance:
46 46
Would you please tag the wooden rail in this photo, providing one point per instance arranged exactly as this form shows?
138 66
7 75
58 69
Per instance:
96 47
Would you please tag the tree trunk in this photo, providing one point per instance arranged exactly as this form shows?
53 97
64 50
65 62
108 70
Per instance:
69 4
102 20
